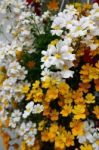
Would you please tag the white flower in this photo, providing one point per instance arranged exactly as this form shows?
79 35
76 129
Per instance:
46 15
88 132
57 26
95 142
16 71
29 109
58 54
46 59
45 73
96 145
95 11
37 109
67 73
30 139
22 129
16 115
15 118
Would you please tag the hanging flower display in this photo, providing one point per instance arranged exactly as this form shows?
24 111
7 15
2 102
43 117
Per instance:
49 75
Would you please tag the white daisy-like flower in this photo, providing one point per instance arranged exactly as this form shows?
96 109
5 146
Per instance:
59 54
29 109
16 71
16 115
95 11
88 132
37 109
29 139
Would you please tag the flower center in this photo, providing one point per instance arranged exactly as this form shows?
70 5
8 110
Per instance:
58 55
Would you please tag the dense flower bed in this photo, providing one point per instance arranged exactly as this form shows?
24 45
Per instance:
49 75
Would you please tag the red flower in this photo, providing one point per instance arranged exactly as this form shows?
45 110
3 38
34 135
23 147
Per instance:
37 8
29 1
97 124
96 1
87 58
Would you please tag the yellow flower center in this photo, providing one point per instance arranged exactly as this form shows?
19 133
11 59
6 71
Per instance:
57 28
78 28
58 55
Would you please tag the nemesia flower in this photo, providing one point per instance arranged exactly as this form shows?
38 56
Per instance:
49 75
29 108
37 109
96 111
86 146
79 112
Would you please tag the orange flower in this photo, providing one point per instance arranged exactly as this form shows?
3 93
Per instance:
67 109
77 127
84 87
96 111
85 73
31 64
52 132
69 139
96 84
54 115
45 136
53 5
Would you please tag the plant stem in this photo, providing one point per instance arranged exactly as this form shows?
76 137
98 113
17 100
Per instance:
62 4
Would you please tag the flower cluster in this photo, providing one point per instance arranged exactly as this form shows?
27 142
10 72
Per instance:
49 75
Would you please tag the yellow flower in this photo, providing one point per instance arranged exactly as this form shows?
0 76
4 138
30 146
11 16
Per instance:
80 101
90 98
87 6
37 95
96 111
77 94
36 84
53 5
25 89
59 143
79 112
85 73
93 73
41 125
77 127
63 88
23 145
53 131
69 139
48 83
67 109
86 147
51 94
54 115
78 6
54 42
29 96
45 136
